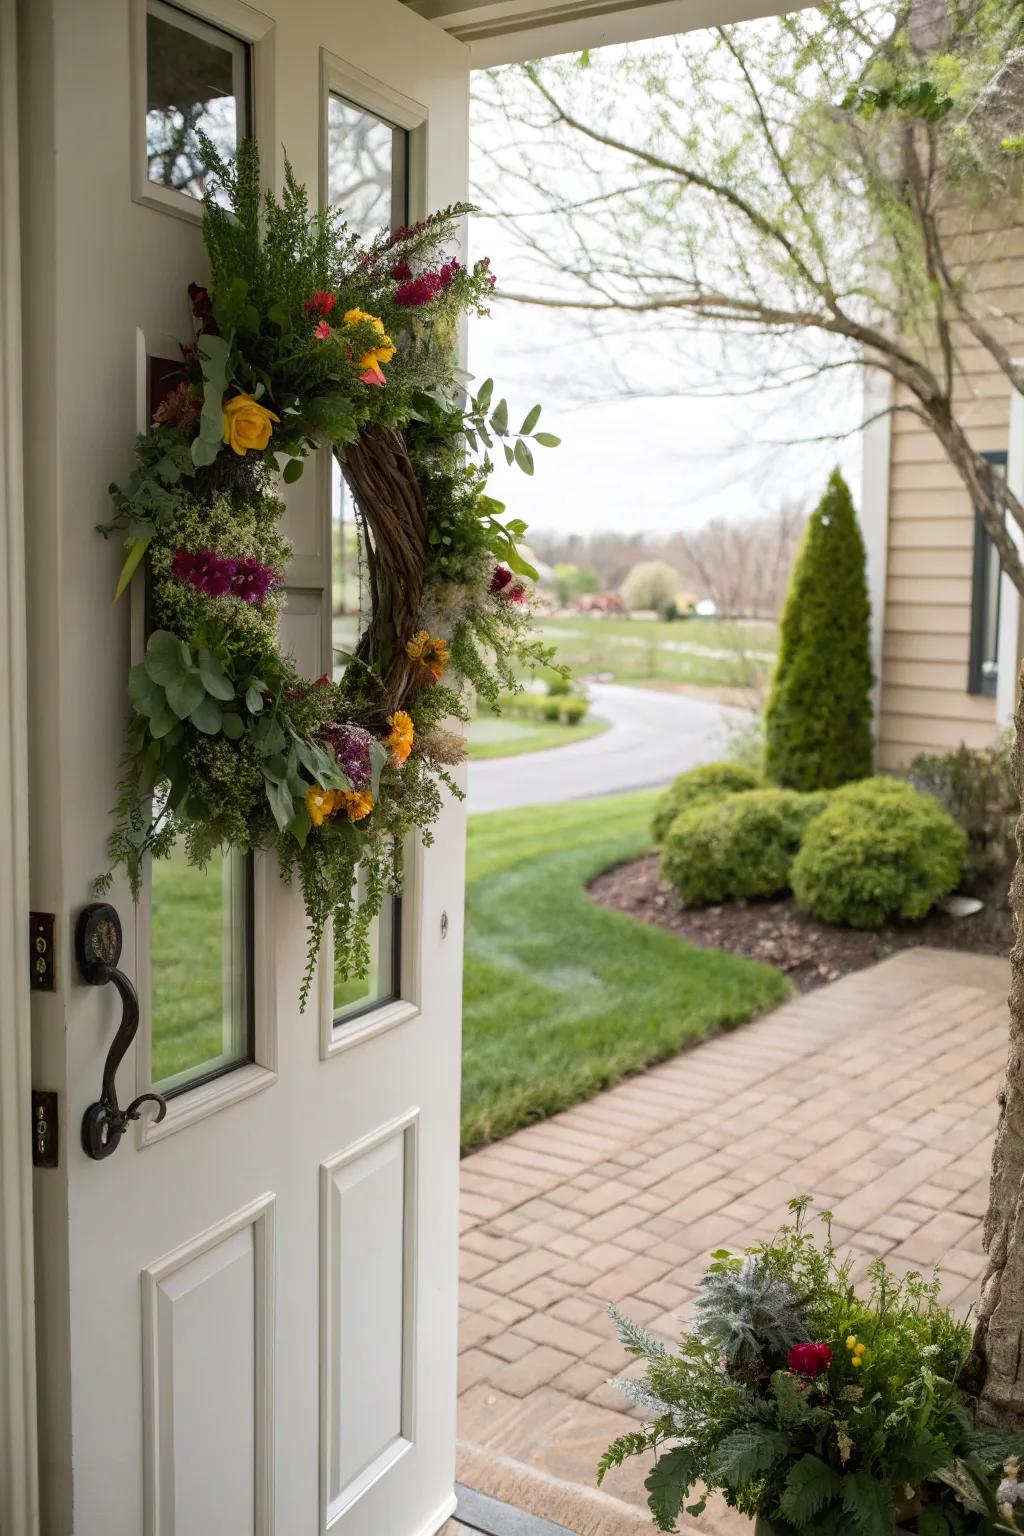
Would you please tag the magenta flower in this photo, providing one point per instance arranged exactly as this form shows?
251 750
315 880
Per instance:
253 582
809 1359
217 576
351 744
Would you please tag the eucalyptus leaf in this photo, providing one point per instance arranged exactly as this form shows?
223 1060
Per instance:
508 453
531 421
254 699
214 353
215 679
232 726
166 657
499 418
162 723
523 457
483 398
379 755
208 716
547 439
281 803
300 825
292 471
184 693
147 696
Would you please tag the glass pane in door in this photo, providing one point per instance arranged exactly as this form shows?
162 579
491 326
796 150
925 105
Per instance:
368 180
200 965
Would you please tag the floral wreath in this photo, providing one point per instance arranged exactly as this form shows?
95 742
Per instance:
306 337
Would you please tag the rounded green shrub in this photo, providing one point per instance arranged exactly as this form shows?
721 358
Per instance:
881 850
740 848
818 719
711 781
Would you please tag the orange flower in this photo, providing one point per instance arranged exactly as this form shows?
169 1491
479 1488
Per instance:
383 352
430 653
400 738
356 803
320 803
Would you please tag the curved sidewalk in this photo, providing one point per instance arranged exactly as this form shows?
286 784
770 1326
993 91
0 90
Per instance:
875 1095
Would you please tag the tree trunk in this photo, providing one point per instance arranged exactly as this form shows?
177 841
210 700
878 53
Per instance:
998 1364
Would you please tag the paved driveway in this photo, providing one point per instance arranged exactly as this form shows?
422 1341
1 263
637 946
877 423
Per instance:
653 737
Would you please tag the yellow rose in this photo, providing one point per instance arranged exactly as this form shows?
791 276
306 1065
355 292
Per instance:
246 423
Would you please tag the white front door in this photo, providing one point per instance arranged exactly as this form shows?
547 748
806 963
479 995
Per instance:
246 1313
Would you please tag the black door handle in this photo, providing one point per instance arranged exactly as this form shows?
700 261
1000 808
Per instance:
97 950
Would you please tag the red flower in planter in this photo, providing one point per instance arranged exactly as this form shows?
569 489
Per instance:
809 1359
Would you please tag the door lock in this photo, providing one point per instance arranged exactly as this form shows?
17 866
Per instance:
97 950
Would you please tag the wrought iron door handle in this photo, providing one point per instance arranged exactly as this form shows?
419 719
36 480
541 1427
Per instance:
97 950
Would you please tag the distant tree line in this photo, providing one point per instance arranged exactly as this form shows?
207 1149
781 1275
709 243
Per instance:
743 565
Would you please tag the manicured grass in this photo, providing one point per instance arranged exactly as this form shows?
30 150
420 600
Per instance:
562 997
711 652
506 736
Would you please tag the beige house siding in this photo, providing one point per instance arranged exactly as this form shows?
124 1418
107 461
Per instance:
924 703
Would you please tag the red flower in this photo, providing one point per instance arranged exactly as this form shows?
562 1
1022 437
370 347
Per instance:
320 303
809 1359
402 272
202 308
500 579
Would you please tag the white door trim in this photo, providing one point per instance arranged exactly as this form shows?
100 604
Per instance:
874 512
19 1494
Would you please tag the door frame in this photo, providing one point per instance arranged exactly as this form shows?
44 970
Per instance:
19 1489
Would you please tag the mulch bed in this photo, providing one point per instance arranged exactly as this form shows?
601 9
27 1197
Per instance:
810 952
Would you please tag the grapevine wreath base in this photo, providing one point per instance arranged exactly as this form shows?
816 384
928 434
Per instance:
305 337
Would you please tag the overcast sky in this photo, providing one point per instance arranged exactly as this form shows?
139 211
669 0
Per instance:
656 464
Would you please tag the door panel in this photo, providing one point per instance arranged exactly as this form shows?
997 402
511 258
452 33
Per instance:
272 1216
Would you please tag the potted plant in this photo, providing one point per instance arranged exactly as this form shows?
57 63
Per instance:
810 1407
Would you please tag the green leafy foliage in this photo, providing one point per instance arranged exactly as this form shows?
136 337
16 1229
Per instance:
878 1437
741 847
977 787
711 781
880 851
818 720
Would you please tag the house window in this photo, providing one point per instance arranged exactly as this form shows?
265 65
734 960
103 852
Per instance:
197 81
368 181
367 168
983 670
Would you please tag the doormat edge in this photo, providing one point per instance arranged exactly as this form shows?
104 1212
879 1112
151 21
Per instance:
493 1517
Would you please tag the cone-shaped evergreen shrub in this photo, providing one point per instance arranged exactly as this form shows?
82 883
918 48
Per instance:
818 721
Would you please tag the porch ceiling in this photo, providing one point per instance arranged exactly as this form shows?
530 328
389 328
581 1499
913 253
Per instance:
509 31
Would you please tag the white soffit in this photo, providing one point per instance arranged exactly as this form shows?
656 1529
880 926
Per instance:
510 31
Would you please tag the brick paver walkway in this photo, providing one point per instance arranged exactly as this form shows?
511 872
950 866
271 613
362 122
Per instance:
875 1095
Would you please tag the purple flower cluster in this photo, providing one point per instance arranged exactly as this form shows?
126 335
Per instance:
420 290
217 576
351 745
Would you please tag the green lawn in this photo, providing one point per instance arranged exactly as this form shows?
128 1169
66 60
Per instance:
562 997
641 650
507 736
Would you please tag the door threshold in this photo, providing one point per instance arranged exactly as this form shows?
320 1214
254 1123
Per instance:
493 1517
